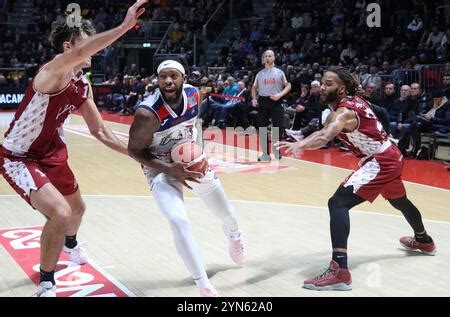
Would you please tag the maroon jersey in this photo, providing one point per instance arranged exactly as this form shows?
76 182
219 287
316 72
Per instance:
369 137
37 129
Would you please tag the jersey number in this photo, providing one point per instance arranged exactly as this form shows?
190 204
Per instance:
85 91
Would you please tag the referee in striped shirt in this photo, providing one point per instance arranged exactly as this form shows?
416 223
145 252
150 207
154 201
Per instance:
269 88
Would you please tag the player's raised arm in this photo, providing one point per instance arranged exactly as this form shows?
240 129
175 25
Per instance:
74 52
91 45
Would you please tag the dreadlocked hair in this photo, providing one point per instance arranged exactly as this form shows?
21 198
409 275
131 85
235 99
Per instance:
350 82
61 32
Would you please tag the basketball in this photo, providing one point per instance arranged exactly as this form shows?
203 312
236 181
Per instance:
193 155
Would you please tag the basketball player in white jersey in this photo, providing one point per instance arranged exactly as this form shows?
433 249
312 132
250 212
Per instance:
33 156
167 118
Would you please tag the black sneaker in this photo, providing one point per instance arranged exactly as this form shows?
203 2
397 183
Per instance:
264 158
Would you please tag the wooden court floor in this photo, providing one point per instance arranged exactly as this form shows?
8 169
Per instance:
282 208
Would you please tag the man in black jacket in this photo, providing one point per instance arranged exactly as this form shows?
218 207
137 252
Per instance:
416 102
399 105
434 118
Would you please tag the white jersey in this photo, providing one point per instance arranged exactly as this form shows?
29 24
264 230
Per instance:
173 129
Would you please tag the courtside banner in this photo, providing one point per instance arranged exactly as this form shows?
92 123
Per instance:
73 280
10 98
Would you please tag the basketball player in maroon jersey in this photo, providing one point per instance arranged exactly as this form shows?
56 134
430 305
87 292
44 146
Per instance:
33 156
354 123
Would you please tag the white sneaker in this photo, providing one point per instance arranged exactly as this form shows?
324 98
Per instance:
236 247
46 289
77 255
296 135
209 291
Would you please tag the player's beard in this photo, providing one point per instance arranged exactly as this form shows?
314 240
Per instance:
330 98
173 99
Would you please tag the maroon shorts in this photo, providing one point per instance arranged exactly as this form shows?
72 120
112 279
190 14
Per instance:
380 174
24 175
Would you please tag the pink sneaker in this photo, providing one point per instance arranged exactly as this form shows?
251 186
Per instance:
333 279
209 291
411 244
236 247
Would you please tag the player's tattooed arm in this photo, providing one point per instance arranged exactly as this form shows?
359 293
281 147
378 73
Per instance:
145 123
338 121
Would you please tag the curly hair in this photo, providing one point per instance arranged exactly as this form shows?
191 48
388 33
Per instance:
61 33
350 82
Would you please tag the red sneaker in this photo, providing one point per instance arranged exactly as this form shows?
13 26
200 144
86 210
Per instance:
409 243
333 279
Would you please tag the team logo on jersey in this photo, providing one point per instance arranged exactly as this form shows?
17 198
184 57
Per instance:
166 140
163 123
63 110
192 101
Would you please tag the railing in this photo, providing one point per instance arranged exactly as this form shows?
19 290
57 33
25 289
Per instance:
161 52
216 70
428 76
215 24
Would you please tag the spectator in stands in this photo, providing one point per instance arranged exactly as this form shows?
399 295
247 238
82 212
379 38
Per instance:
133 71
446 80
207 110
109 81
406 75
241 108
416 102
348 54
372 78
434 38
416 25
311 114
299 108
389 96
399 106
222 110
443 51
371 93
116 99
431 118
219 104
385 69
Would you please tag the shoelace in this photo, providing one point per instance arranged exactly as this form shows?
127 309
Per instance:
328 271
36 293
238 246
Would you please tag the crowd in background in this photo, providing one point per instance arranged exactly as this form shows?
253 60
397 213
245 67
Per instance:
401 66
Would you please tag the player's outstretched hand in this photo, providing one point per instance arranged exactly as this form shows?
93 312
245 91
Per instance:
133 14
288 146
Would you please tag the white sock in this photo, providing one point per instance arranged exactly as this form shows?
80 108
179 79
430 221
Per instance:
202 282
